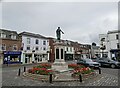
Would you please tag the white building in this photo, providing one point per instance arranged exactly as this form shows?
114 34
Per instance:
111 41
35 48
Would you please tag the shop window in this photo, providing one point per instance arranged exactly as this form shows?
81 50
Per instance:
14 58
28 47
44 42
28 40
14 47
37 41
3 47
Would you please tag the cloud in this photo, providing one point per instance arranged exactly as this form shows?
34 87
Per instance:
80 21
0 15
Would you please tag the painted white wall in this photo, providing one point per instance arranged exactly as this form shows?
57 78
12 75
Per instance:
110 41
33 45
70 50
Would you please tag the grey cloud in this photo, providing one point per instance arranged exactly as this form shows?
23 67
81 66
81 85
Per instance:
79 21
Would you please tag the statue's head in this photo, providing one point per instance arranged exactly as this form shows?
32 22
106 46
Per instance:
58 27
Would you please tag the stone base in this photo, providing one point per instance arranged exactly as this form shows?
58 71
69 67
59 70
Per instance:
60 66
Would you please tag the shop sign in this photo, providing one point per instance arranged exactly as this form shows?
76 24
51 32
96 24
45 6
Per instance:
12 52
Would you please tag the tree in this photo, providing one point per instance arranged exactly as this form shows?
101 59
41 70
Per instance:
93 44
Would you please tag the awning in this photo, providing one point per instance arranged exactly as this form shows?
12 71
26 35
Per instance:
114 50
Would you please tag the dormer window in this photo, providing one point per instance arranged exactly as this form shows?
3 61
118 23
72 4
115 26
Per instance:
13 36
2 35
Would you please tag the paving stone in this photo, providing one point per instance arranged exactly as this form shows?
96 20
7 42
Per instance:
10 78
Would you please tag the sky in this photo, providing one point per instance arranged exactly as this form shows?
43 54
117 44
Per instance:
80 21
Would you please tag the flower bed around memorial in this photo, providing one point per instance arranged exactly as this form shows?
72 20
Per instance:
44 65
42 69
80 69
75 66
85 71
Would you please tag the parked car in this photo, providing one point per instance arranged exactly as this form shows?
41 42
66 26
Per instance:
88 63
108 62
94 59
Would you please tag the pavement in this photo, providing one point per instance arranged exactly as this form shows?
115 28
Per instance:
10 78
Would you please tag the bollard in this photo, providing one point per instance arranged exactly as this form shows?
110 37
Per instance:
50 78
99 70
19 72
80 78
24 69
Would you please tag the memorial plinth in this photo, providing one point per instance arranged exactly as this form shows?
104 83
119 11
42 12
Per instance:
59 64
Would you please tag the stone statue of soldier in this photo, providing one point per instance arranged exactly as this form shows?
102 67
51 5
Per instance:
58 33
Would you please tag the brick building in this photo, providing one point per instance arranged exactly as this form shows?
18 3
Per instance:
10 47
73 50
52 50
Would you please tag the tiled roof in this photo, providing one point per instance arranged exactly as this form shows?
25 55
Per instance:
32 35
4 30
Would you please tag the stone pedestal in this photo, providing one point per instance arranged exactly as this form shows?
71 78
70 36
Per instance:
60 65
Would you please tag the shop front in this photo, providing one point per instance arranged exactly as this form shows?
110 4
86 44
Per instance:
78 56
38 58
12 57
115 54
68 57
28 58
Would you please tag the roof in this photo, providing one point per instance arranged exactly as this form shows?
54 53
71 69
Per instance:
8 31
114 31
32 35
50 38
